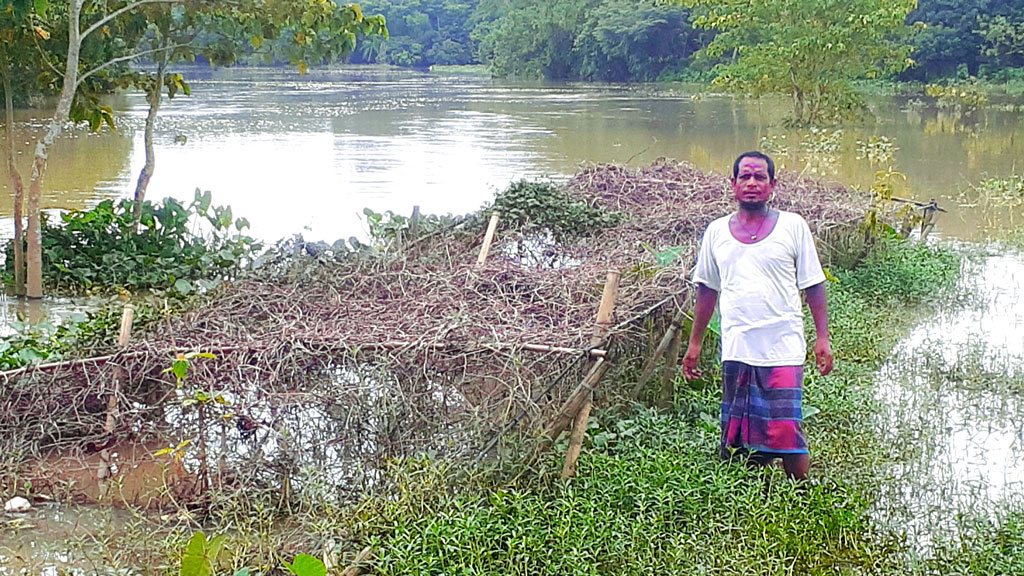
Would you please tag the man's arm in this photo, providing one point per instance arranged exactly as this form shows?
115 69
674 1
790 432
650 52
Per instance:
702 310
815 296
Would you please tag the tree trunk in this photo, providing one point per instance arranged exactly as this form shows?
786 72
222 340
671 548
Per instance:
147 171
17 190
34 254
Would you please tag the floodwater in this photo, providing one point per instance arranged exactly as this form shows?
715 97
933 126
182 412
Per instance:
305 154
953 398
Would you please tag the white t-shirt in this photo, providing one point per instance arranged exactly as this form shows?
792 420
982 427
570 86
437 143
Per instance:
759 288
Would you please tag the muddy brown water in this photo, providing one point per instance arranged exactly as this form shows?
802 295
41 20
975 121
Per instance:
307 154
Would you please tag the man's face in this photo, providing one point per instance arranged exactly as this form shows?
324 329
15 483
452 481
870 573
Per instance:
752 187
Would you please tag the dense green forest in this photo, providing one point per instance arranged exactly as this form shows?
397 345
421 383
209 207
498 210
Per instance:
645 40
960 38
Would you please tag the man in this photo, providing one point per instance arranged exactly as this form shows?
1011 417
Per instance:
757 260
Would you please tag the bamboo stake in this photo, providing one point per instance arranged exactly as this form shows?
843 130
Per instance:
604 312
414 224
670 369
579 428
601 329
105 471
488 238
652 362
576 400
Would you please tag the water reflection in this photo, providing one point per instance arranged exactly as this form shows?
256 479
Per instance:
18 312
953 393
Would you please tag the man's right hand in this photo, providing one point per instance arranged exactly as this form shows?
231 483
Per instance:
690 371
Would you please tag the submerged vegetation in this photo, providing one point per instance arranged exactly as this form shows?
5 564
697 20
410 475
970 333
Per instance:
175 246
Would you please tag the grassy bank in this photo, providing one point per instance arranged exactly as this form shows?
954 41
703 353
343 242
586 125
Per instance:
651 497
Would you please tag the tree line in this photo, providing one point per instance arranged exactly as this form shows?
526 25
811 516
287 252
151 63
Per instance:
645 40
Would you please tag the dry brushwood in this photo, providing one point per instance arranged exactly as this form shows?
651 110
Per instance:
333 370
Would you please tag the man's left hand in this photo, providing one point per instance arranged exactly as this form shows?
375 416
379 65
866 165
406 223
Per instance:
823 355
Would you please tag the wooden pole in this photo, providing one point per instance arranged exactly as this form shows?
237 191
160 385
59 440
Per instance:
488 238
414 224
576 400
124 335
670 369
601 328
659 351
579 428
604 312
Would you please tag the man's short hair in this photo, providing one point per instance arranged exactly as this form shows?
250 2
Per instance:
754 154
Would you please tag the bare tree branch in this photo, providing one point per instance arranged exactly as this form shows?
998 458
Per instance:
109 63
45 58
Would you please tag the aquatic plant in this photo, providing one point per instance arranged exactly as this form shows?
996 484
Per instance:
543 207
878 150
963 99
178 247
996 192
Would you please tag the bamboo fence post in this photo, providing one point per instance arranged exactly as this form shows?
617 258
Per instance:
604 312
669 370
104 472
414 224
601 328
488 238
576 399
652 362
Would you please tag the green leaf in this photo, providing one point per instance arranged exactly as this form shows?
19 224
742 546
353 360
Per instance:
179 368
306 565
809 411
669 255
193 561
29 356
715 325
183 286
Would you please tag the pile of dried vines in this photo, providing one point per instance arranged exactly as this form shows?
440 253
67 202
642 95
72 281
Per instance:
365 358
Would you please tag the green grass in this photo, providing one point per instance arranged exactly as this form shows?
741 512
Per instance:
991 547
655 501
651 496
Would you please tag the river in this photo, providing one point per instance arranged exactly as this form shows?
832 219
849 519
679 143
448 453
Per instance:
305 154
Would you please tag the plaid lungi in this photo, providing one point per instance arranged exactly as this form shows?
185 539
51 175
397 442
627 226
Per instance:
761 409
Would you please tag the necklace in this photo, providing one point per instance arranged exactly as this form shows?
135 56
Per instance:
753 235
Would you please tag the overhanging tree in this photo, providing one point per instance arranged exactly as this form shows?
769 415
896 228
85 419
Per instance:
810 50
303 32
28 68
104 36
